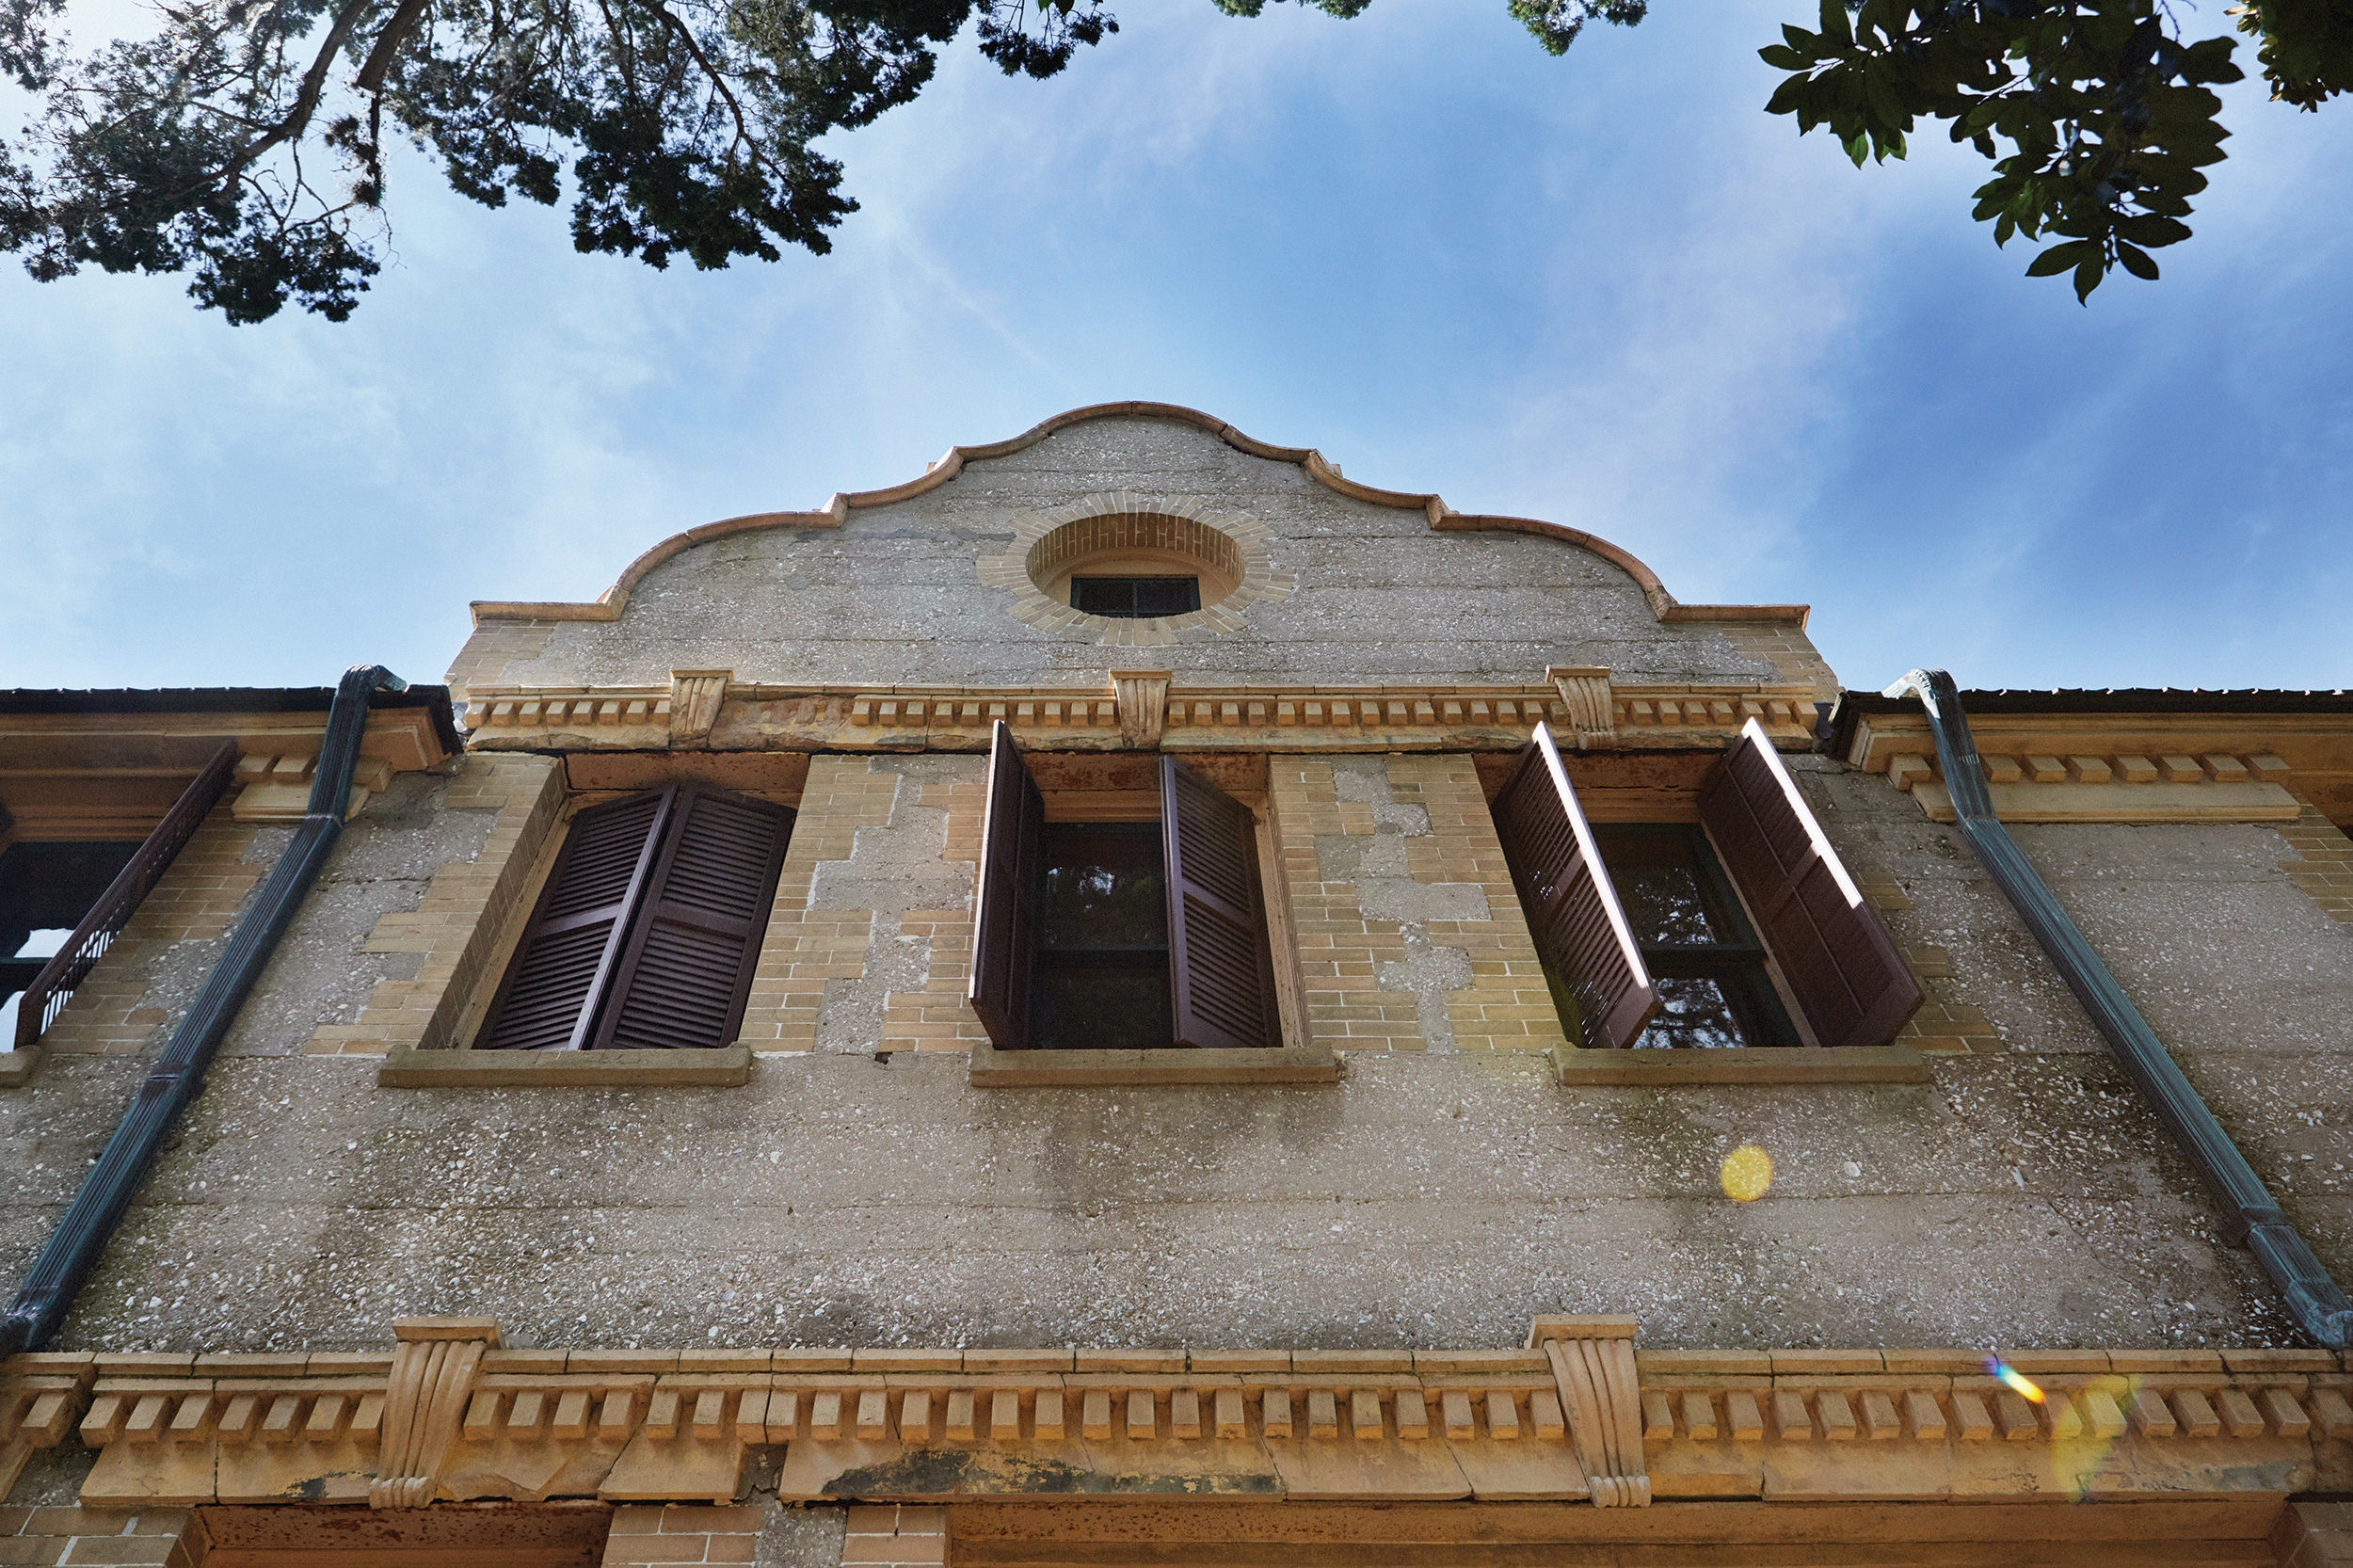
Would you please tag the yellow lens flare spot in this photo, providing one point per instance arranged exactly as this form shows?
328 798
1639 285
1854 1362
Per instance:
2019 1383
1747 1174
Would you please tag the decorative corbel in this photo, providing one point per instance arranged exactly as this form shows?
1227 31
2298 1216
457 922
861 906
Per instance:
1143 697
695 698
1585 689
1592 1362
432 1380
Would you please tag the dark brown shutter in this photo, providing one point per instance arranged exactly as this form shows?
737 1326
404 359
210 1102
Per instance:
1220 963
1597 972
1850 983
1004 903
688 960
574 940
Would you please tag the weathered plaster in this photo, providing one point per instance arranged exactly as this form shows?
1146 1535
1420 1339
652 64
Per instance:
893 594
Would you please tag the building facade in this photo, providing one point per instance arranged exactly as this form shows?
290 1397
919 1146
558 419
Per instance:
1135 1000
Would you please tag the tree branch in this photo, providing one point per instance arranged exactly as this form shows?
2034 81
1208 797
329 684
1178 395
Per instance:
743 127
388 43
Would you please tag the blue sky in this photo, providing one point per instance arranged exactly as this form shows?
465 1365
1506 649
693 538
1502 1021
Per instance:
1606 290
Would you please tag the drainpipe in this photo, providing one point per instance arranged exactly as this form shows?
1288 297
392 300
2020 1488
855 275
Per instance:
178 1077
2250 1217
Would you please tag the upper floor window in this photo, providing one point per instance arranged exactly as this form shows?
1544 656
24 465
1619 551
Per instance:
1135 598
1132 934
1705 959
1649 938
646 932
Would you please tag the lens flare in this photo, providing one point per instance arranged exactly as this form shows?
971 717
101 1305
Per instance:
2019 1383
1748 1172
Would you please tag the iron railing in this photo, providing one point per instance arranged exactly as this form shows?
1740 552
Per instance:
39 1007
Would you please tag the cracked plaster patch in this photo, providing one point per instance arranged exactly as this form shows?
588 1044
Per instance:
1386 890
891 869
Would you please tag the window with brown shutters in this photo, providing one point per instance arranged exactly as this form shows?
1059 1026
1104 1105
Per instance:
649 929
1121 935
1221 963
1598 979
1840 963
1004 936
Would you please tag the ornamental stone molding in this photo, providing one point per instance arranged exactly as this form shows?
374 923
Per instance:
1585 691
1143 698
694 699
1394 717
1578 1415
1228 550
426 1393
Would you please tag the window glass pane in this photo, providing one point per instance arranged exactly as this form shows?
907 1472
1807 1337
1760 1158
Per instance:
1660 887
1102 888
1133 598
1102 1009
1101 981
1167 596
1691 1013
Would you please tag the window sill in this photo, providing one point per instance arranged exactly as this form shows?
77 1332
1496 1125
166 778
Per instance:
549 1069
1755 1064
1037 1069
17 1065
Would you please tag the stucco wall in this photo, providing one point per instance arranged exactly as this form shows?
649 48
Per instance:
1427 1199
894 593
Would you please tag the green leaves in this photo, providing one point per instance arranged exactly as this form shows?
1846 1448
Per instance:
2105 113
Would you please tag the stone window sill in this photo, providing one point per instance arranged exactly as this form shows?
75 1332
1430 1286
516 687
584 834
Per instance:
17 1065
404 1068
1034 1069
1757 1064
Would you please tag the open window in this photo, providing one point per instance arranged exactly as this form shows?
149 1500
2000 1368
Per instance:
1122 930
646 934
1740 929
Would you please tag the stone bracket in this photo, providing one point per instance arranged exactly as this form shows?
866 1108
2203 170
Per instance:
695 698
1593 1360
1143 698
432 1383
1585 691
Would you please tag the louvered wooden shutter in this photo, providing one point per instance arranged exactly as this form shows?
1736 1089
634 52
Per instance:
687 963
1851 985
1597 975
574 940
1004 913
1220 963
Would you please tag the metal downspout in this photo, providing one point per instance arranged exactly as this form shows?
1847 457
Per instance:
2250 1215
178 1077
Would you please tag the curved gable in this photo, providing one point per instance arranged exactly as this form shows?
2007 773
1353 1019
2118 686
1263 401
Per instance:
923 581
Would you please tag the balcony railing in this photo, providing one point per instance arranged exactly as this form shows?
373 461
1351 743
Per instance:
53 986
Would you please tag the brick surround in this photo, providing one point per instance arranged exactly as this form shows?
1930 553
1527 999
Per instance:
895 1536
681 1534
459 924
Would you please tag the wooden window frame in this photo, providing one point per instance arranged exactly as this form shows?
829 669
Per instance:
462 1064
1295 1060
1576 1064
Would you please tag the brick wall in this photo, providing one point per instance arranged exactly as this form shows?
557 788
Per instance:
937 1017
460 923
2323 866
922 818
1408 932
493 648
113 1011
1789 651
682 1533
65 1537
895 1536
1948 1023
806 947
